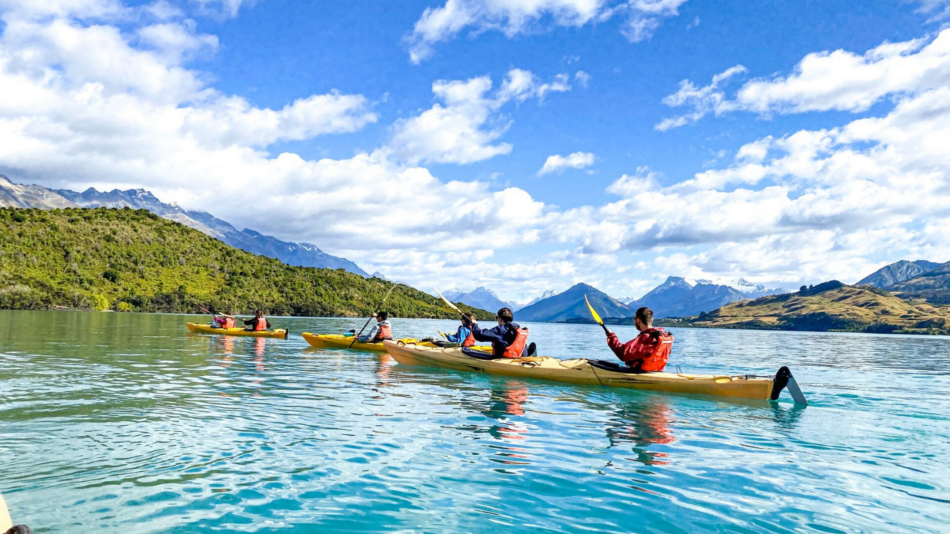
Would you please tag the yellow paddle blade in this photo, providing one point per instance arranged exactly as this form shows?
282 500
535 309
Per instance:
593 312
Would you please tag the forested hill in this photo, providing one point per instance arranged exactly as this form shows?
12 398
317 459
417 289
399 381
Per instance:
132 260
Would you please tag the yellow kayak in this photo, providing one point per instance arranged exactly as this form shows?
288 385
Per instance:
199 328
5 522
596 373
337 341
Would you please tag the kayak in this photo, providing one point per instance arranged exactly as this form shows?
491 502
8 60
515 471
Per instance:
199 328
5 522
596 373
337 341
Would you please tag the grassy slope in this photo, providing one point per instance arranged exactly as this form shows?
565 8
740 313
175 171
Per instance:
135 261
847 308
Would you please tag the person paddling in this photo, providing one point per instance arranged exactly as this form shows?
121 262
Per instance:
508 340
225 321
464 334
257 323
649 352
381 331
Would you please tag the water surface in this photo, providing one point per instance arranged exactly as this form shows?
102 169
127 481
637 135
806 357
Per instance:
127 423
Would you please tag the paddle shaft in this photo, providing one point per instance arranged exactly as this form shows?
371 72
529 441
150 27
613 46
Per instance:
453 306
357 336
209 312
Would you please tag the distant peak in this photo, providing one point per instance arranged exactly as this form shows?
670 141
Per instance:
678 280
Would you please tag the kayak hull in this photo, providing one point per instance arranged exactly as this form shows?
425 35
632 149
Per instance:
337 341
580 371
198 328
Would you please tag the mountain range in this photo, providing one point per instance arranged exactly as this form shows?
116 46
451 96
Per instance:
570 305
479 297
831 306
295 254
678 297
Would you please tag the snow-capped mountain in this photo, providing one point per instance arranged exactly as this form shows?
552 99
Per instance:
679 297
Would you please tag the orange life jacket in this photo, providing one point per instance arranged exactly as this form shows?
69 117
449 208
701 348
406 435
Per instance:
261 325
517 346
228 322
659 356
470 340
385 332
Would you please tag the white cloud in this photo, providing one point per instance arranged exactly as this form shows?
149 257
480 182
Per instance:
228 8
176 40
557 163
465 128
826 81
812 205
88 9
85 104
513 17
88 105
582 78
703 100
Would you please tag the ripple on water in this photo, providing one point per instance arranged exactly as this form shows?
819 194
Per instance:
148 429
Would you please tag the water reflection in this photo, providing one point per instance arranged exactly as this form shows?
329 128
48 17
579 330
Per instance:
645 423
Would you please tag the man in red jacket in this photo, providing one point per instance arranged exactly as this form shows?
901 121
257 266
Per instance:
647 353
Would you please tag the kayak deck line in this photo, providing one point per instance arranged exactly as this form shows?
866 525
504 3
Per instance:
339 341
598 373
198 328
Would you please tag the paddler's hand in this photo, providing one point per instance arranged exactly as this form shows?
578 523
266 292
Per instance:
374 314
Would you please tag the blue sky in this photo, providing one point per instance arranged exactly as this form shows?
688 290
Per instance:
411 136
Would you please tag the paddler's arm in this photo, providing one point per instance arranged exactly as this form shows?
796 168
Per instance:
454 338
626 352
495 335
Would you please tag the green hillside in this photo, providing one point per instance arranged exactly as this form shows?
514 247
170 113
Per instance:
831 306
132 260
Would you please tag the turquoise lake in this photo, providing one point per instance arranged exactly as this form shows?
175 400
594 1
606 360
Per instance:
128 423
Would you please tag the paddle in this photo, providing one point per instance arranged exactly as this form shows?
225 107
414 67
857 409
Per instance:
453 306
209 312
596 317
357 336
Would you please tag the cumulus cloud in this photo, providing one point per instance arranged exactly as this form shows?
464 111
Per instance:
817 203
825 81
88 105
513 17
703 100
557 163
87 9
464 128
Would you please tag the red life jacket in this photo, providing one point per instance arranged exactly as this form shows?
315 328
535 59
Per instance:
470 340
657 352
229 322
517 346
261 325
385 332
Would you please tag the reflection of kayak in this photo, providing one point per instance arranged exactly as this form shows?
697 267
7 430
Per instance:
337 341
208 329
592 373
